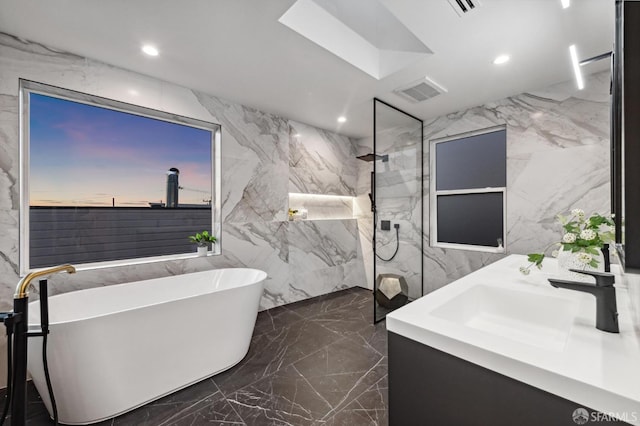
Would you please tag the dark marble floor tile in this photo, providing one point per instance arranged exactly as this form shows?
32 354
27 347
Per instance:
270 352
35 406
373 335
274 319
341 372
213 410
355 415
283 398
40 420
159 411
374 378
329 302
370 408
347 319
382 312
37 414
376 401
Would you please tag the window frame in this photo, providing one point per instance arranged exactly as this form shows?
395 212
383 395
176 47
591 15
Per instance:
27 87
433 195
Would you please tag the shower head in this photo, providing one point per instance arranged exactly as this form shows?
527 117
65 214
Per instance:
373 157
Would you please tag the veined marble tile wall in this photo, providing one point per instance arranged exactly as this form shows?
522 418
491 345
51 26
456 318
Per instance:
398 199
261 163
320 162
557 159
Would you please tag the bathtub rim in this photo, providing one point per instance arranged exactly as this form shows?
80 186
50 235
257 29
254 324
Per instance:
35 326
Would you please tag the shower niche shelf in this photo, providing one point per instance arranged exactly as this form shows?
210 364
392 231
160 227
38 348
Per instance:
322 206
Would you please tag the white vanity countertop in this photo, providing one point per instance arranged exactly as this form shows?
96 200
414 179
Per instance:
567 356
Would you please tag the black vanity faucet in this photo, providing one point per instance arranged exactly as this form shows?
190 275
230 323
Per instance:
605 293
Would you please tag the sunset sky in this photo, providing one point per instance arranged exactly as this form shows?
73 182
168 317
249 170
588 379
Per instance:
82 155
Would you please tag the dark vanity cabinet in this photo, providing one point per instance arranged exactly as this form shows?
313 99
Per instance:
428 387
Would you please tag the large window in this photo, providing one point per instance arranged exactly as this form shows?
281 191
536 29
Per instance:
105 181
468 191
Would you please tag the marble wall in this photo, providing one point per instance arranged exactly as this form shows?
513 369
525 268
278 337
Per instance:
264 157
557 159
320 162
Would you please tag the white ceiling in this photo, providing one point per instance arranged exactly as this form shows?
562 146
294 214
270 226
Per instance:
237 49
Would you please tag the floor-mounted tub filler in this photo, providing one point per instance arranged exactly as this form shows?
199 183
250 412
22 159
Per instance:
112 349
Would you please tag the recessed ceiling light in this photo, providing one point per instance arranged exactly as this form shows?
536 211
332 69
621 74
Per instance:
297 135
133 92
565 3
501 59
342 119
150 50
576 66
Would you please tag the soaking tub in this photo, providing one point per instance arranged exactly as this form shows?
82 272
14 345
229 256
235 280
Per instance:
112 349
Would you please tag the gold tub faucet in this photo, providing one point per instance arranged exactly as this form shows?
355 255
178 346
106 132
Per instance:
23 285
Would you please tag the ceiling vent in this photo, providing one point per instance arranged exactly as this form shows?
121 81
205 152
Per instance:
420 91
464 7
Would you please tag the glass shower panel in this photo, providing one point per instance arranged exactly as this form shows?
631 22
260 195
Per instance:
397 194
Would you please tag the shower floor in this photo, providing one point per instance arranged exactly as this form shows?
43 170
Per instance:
315 362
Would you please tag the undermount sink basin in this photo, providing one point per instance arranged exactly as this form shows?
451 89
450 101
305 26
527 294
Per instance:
534 319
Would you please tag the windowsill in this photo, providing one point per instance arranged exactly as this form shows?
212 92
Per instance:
129 262
469 247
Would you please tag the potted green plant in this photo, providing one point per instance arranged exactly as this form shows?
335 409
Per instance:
203 239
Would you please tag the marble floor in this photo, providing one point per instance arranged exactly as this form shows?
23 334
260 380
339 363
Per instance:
315 362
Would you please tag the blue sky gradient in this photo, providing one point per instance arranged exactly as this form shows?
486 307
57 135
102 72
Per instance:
84 155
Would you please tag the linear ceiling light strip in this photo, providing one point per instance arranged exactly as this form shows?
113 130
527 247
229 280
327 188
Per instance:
462 6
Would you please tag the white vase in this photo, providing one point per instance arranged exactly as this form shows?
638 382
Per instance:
568 260
202 250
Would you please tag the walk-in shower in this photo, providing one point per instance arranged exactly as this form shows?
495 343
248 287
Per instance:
396 197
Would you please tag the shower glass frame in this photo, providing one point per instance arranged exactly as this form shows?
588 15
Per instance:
419 144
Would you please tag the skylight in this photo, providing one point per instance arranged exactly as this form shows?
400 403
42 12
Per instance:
361 32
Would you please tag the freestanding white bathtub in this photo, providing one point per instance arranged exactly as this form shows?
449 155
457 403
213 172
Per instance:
112 349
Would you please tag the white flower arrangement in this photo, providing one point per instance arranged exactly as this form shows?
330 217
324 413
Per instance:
582 235
588 234
578 213
585 258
